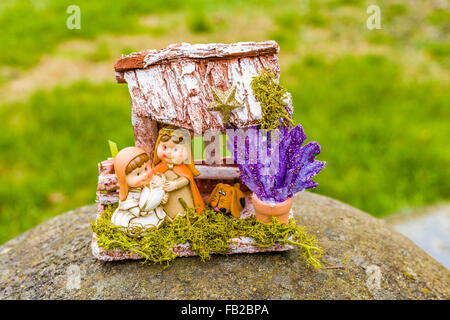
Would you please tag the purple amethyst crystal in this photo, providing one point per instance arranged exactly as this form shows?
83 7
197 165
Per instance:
281 166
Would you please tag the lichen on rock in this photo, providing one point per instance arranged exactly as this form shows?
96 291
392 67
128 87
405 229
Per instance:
54 261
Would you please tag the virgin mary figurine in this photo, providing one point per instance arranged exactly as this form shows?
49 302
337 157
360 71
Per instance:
173 158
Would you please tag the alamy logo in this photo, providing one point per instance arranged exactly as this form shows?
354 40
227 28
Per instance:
74 20
374 20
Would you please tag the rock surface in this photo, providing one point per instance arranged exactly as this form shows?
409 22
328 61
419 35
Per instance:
364 258
427 227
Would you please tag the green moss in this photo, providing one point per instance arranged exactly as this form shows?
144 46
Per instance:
208 232
272 98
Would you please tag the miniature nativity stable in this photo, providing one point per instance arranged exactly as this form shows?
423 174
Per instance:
177 87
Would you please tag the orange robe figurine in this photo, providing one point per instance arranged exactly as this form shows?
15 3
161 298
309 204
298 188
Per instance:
173 158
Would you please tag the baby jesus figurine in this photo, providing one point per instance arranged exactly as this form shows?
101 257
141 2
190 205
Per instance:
140 201
150 203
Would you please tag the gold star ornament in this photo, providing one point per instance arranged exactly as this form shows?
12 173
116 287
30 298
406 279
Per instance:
224 102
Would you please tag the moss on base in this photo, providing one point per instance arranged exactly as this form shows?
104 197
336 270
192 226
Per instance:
272 98
208 232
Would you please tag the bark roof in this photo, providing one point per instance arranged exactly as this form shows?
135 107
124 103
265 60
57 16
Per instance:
173 85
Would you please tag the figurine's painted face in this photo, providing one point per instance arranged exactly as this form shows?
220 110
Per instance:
157 181
172 150
139 176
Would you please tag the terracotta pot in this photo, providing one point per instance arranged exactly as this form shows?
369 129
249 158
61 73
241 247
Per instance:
264 211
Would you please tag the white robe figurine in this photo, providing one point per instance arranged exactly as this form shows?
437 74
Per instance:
142 207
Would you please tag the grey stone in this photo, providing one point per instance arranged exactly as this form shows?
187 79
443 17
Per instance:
364 258
332 235
427 227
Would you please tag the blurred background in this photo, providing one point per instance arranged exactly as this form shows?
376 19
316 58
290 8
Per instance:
376 100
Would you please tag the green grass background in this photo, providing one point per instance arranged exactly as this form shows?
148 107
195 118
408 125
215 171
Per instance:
380 113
